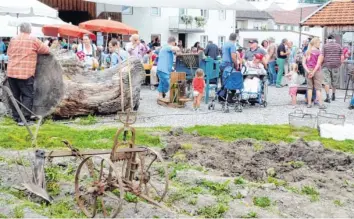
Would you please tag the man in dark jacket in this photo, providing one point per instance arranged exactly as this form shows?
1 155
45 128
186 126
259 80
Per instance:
212 50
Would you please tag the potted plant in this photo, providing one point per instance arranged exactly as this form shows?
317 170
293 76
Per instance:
187 19
200 20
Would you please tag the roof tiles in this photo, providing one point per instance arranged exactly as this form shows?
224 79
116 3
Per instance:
292 17
336 13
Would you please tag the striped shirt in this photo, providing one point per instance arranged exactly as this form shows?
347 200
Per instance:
22 53
332 53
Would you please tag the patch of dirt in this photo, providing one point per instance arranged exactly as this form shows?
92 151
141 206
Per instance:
297 164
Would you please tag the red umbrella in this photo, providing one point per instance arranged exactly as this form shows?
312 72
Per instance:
66 30
108 26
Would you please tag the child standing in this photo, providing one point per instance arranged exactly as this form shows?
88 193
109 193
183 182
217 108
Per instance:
293 82
198 87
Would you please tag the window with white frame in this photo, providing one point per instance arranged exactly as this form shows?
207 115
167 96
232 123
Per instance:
204 13
278 27
203 41
127 10
306 29
155 11
221 40
222 14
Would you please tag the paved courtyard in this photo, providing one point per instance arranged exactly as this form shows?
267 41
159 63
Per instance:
151 114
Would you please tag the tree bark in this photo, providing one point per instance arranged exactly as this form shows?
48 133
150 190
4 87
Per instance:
64 88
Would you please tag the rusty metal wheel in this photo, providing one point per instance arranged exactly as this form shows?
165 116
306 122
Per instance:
153 175
98 187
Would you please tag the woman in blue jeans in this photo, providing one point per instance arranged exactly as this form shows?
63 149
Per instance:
272 73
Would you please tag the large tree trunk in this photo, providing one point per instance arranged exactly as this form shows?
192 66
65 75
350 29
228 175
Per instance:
63 88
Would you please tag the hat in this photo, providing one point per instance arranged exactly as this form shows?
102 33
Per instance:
253 41
258 56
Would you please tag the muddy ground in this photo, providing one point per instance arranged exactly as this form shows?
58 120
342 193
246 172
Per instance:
212 178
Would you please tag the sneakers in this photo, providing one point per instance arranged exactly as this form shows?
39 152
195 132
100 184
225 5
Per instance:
351 107
327 100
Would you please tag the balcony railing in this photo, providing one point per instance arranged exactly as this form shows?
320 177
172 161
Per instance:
177 25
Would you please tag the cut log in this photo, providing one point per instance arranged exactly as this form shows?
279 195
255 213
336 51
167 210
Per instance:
64 88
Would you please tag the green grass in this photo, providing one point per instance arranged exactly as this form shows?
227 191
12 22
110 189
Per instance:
262 202
338 203
216 188
277 182
296 164
18 212
89 120
215 211
311 192
240 181
51 134
252 214
272 133
129 197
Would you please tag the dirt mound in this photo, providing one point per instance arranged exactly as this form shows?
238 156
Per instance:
257 160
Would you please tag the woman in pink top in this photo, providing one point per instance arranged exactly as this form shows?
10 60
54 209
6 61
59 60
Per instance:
313 73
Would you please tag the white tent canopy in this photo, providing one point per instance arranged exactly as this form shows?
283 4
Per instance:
27 7
7 29
193 4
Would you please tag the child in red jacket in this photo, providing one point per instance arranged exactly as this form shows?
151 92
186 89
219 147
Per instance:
198 87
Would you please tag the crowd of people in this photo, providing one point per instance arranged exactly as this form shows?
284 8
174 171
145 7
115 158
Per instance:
320 66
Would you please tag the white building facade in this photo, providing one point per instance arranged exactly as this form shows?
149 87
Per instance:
214 25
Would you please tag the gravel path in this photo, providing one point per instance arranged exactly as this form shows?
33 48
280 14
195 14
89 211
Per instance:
151 114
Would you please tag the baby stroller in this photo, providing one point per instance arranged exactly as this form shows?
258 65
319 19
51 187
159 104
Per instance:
230 93
255 88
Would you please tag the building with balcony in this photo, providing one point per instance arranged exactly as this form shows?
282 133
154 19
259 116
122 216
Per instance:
188 25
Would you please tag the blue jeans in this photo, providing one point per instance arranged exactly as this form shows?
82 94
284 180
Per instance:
352 102
272 73
164 82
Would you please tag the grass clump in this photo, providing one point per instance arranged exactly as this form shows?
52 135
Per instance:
89 120
184 192
216 188
187 146
193 201
338 203
262 202
18 212
252 214
312 192
277 182
240 181
296 164
293 189
215 211
2 216
129 197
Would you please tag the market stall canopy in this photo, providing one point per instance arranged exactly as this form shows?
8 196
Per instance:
108 26
36 21
28 7
193 4
66 30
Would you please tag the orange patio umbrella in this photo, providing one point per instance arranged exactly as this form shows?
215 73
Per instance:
108 26
66 30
